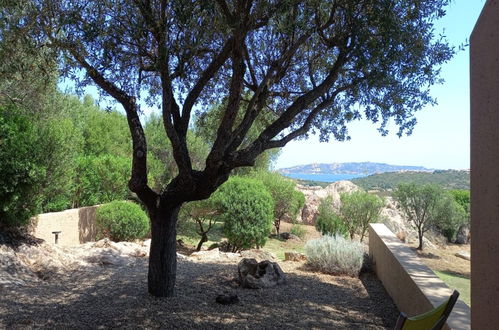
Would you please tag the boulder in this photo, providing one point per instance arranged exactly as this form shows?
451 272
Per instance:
257 254
206 255
463 235
314 196
286 236
464 255
294 256
259 275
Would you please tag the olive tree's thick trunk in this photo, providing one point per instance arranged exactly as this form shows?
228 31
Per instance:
163 252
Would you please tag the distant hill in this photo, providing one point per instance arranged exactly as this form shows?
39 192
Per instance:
365 168
448 179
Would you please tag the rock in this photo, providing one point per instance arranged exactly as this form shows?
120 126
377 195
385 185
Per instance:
259 275
464 255
227 299
294 256
230 255
463 235
314 196
287 236
257 254
206 255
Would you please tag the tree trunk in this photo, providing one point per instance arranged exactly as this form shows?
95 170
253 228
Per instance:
163 253
204 238
420 236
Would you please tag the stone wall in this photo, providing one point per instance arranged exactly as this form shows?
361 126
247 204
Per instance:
77 226
413 286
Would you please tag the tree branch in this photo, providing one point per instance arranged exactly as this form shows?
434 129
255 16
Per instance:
138 180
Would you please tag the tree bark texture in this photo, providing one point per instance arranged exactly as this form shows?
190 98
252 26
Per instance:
163 252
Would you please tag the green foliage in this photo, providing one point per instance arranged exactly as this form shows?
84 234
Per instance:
358 209
335 255
20 167
448 179
287 200
328 222
426 206
462 197
105 133
101 179
121 221
451 216
298 230
246 208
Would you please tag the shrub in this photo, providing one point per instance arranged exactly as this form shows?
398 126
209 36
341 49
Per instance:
246 208
287 201
335 255
298 230
20 167
121 221
328 222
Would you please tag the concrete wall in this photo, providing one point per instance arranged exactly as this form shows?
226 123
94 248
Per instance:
484 59
76 226
413 286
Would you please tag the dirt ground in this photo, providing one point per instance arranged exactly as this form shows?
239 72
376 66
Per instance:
116 297
444 259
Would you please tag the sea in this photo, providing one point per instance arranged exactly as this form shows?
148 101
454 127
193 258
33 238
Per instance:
323 177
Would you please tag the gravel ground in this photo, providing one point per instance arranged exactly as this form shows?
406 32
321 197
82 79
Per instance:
116 297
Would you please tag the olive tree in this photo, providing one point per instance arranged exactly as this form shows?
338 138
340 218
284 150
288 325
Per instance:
358 209
315 64
422 205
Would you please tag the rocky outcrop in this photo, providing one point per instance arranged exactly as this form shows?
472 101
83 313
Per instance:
259 275
314 196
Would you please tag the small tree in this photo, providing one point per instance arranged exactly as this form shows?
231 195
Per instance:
358 209
421 204
287 201
203 213
328 221
450 216
246 208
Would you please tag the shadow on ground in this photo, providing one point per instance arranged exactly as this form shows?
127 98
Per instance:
116 297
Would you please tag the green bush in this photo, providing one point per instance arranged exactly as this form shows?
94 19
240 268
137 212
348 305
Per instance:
101 179
335 255
328 222
246 208
20 167
287 200
298 230
121 221
451 216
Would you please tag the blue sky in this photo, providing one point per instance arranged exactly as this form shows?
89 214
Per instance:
440 139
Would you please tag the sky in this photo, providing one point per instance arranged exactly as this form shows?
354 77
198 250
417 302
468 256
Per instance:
441 138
